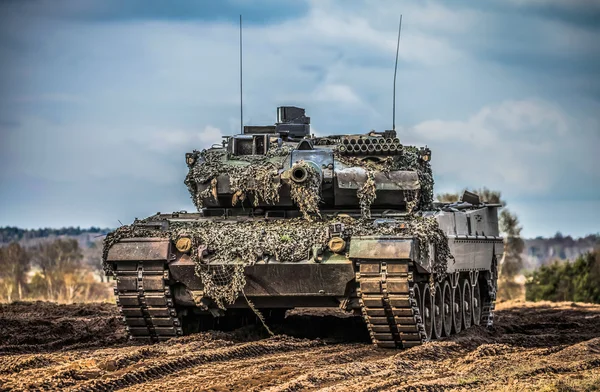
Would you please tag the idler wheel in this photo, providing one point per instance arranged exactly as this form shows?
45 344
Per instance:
467 303
428 314
476 304
457 310
447 307
438 305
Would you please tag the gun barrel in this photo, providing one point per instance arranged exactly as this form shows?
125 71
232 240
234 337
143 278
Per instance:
299 172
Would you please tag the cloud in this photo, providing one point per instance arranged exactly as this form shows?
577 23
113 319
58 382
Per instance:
74 152
582 13
175 140
527 148
336 93
108 11
49 97
99 101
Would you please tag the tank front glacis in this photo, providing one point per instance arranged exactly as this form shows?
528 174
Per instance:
287 219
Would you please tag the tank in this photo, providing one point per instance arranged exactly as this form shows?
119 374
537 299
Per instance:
286 219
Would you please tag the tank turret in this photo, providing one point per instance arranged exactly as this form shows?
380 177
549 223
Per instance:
251 171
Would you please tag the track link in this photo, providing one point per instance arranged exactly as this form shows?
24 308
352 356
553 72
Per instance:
489 300
145 301
386 296
488 305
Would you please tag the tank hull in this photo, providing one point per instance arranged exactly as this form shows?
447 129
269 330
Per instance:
384 278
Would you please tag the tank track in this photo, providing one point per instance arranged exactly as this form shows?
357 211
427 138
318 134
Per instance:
488 305
386 295
489 301
145 301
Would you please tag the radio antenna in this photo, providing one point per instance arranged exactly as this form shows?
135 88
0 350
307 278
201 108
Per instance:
241 91
395 71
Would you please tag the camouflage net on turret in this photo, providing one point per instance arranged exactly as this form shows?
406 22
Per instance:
307 194
409 160
221 249
366 195
254 176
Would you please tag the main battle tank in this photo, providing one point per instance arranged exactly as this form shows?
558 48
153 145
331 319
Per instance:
286 219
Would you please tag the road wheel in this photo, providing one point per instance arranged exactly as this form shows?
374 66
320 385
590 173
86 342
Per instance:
467 301
438 305
476 304
447 307
427 312
457 309
417 297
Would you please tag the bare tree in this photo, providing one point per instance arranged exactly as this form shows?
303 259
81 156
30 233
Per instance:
56 260
447 197
14 265
489 196
92 257
512 263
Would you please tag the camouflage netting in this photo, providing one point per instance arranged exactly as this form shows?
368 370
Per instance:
222 283
409 160
427 231
366 195
231 245
221 249
254 176
307 194
411 198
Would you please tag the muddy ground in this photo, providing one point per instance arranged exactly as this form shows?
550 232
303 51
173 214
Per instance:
534 347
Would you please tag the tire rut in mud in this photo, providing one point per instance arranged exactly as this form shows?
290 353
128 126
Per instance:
164 368
531 347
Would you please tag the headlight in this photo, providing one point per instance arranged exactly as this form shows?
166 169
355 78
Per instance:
183 244
337 244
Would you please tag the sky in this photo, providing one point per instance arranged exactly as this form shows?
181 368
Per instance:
100 100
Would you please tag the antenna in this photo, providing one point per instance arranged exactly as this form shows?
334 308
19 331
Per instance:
241 91
395 70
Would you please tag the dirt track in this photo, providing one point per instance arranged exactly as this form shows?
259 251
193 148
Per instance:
83 347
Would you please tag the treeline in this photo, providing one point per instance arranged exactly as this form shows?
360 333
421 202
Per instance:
577 281
570 241
57 271
11 234
541 250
